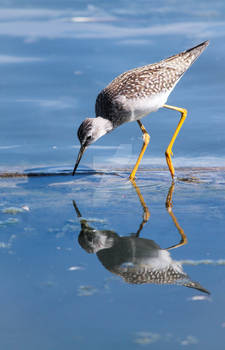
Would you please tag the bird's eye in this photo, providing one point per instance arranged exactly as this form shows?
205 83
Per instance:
89 237
88 139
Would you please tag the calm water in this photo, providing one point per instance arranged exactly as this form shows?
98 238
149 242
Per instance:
55 57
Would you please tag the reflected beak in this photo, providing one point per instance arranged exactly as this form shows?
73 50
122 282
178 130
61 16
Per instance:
80 154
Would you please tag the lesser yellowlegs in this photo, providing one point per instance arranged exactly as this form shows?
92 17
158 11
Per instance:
133 95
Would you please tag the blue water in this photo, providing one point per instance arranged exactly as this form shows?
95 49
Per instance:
55 57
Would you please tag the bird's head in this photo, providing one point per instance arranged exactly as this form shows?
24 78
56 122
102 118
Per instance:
90 130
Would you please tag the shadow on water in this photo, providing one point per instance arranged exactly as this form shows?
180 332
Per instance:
137 260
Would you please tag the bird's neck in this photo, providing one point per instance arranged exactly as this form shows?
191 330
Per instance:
105 125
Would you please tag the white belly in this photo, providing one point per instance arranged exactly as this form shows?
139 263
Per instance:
140 107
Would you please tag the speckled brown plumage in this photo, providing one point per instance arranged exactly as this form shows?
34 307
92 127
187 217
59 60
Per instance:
121 98
146 275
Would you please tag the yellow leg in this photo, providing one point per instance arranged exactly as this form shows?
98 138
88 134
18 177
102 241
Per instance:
169 152
145 144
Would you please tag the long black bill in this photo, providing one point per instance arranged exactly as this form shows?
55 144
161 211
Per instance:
81 152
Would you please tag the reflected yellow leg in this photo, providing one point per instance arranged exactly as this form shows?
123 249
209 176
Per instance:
169 152
146 137
77 210
179 228
146 215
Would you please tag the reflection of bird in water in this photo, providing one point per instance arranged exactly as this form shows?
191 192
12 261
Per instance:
133 95
137 260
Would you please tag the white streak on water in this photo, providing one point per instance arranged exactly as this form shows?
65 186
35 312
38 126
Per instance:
5 59
54 27
10 147
219 262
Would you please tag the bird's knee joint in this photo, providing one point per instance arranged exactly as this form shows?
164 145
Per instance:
184 112
146 138
168 154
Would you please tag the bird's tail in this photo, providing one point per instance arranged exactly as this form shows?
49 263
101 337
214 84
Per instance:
195 285
182 61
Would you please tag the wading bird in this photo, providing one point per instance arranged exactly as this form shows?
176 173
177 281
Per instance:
135 94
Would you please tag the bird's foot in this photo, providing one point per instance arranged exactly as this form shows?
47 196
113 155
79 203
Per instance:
132 177
168 155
